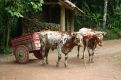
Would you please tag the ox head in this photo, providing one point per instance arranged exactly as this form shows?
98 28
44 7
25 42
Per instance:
99 37
97 40
100 34
78 38
70 43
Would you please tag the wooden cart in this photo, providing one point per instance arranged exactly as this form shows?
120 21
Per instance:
26 44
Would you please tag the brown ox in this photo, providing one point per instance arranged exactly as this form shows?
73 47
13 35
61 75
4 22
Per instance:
61 41
90 40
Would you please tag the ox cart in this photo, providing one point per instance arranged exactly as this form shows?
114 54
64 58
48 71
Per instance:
26 44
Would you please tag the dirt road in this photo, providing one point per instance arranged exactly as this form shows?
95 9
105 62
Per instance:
106 66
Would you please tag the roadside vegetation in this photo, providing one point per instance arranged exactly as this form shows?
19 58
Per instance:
100 15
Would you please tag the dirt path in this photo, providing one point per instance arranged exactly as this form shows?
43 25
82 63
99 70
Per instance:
107 66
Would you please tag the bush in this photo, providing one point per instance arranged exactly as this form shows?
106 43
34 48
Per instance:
7 51
111 34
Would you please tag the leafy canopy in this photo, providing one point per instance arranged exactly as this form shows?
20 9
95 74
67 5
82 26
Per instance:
18 7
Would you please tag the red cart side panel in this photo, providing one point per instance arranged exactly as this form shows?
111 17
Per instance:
36 41
18 40
32 41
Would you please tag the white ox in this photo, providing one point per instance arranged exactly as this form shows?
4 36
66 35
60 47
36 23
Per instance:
62 41
90 39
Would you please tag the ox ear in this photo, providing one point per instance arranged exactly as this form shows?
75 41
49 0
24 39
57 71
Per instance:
104 33
100 32
76 33
73 33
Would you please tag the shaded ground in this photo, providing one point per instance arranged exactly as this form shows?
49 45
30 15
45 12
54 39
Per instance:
107 66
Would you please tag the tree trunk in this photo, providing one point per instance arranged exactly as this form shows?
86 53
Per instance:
7 36
8 32
105 13
4 39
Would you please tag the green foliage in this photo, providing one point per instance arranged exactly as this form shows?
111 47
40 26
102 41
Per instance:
18 7
118 10
92 18
36 6
14 12
10 11
33 5
94 14
114 22
111 34
7 51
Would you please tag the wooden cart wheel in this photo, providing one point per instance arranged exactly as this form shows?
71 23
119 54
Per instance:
38 55
21 54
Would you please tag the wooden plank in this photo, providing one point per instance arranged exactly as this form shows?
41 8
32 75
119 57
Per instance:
71 6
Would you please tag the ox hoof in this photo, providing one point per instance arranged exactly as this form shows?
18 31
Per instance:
78 56
89 62
57 65
47 63
43 64
65 65
92 61
82 58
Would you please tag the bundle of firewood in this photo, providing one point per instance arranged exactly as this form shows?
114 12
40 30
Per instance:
34 25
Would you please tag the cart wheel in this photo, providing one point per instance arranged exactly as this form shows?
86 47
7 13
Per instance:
38 55
21 54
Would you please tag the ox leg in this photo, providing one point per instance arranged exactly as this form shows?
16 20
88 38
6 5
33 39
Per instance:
46 55
85 42
59 58
66 58
78 48
92 60
43 54
83 52
89 55
59 55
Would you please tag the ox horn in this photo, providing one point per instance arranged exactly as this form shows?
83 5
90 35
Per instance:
100 32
